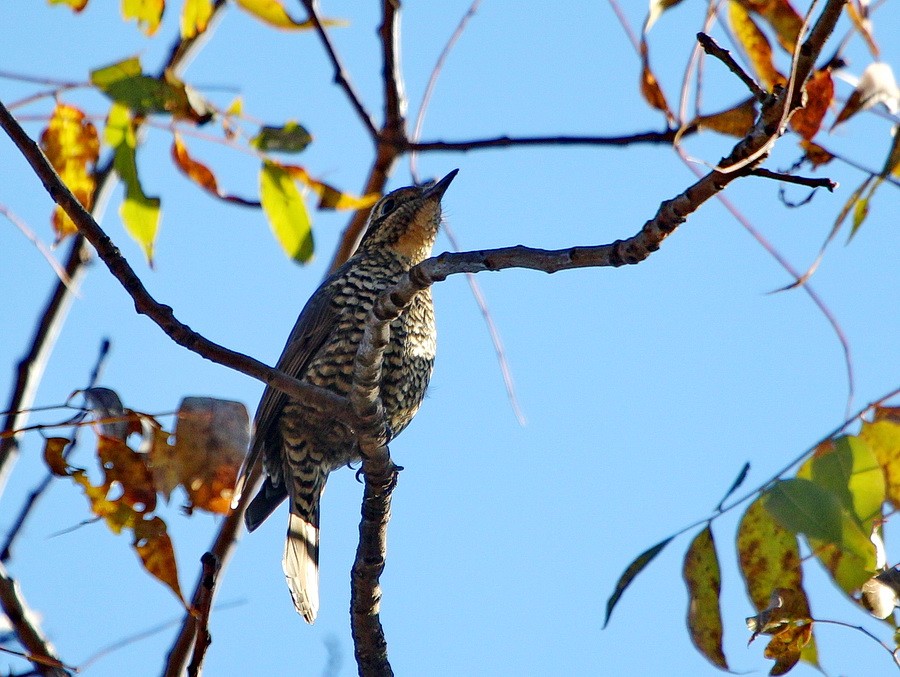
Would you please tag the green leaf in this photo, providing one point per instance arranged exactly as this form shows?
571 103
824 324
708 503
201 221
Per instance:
704 581
849 470
286 211
631 572
292 138
802 506
102 78
139 212
883 437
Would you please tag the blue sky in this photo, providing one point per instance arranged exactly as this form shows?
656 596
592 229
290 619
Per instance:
645 388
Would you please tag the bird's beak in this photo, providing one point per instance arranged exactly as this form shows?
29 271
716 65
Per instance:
438 189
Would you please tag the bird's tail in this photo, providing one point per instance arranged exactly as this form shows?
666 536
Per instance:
301 564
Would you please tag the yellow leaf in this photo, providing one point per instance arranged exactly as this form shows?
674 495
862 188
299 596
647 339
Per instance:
286 211
703 578
139 212
76 5
273 13
755 44
72 145
195 17
148 13
154 547
883 436
330 197
780 16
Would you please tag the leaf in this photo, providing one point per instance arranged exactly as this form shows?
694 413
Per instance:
883 438
819 94
72 145
892 163
881 593
876 85
787 647
291 138
286 211
124 83
76 5
273 13
154 547
657 7
53 455
780 16
769 555
211 441
148 13
200 174
863 26
130 470
139 212
329 197
815 154
703 578
735 121
801 506
650 88
630 573
755 44
195 16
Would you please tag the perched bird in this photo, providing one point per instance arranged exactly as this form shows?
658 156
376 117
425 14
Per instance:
300 444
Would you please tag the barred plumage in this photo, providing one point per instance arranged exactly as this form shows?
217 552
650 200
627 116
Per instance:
301 445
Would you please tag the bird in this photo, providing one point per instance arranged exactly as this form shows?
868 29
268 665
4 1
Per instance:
300 445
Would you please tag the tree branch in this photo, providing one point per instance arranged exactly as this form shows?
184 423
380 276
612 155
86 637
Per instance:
40 651
808 181
202 608
392 75
341 79
713 48
666 136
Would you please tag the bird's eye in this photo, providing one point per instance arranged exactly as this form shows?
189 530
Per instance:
388 206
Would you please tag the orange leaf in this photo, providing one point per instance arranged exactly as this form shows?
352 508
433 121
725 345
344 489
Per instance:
154 547
736 121
129 468
72 145
330 197
863 26
819 94
197 172
755 44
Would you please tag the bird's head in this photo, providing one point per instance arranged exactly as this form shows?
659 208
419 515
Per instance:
406 220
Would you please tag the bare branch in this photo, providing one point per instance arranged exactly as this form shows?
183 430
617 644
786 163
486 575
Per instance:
144 303
392 75
40 652
713 48
666 136
207 586
811 182
340 75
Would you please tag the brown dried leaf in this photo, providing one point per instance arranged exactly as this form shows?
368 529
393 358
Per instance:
130 469
755 44
154 547
650 87
211 439
787 647
53 455
72 145
703 578
736 121
815 154
862 23
819 94
196 171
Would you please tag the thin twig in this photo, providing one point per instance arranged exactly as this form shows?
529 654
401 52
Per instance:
36 241
869 634
810 182
713 48
663 137
340 74
203 639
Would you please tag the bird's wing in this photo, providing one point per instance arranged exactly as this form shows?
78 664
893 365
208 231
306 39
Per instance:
317 321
